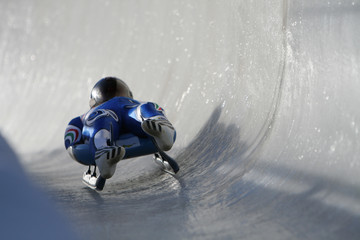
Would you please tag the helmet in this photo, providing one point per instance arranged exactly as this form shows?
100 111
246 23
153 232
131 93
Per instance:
107 88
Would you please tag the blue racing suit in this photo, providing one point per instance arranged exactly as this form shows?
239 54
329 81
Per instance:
115 122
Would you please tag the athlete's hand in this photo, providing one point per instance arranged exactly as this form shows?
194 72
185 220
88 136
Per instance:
106 159
155 127
162 131
110 153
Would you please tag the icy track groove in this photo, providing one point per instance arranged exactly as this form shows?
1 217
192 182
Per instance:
263 94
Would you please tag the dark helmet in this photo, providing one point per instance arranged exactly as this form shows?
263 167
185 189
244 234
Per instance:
107 88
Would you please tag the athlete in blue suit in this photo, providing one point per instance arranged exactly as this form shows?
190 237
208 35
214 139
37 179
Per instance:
116 127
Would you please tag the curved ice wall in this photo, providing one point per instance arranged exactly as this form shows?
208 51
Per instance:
189 57
264 95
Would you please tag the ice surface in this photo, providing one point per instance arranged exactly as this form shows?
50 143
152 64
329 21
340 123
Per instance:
263 94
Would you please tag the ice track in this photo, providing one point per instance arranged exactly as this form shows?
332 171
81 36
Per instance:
264 96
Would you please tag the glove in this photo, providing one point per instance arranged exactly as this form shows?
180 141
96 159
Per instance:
106 159
162 131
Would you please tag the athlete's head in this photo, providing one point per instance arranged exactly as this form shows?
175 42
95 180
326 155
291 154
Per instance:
107 88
